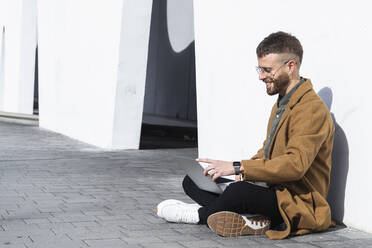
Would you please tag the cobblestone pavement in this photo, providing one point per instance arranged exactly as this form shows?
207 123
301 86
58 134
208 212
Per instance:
58 192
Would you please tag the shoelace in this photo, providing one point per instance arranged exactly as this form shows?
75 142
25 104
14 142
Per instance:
188 213
259 221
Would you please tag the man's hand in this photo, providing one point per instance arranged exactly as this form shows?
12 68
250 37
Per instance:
217 168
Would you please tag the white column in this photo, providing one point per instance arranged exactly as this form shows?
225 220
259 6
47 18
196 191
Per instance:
92 68
18 55
130 89
2 58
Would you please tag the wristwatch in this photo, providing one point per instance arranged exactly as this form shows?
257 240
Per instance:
237 166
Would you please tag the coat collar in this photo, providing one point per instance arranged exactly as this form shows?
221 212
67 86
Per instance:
295 98
299 93
283 100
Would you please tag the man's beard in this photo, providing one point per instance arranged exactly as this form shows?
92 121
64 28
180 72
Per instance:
280 85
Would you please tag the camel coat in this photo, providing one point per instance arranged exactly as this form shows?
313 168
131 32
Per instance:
299 163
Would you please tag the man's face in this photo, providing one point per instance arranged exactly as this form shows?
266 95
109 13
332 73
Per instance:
273 73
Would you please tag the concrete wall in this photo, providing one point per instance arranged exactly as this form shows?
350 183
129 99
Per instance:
17 61
233 108
93 63
92 66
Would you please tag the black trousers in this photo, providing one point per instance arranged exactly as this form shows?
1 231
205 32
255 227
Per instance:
238 197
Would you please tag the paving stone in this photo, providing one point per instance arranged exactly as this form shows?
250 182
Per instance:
25 213
163 244
113 217
85 223
157 232
55 227
19 227
201 244
24 233
89 234
237 242
177 238
352 233
10 245
72 218
58 192
57 244
316 237
344 244
105 243
106 230
297 245
54 241
143 240
50 209
15 240
262 239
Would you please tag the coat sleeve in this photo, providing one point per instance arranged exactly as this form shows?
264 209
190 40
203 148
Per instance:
260 152
308 131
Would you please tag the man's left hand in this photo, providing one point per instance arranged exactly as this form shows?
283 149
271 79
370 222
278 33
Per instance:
217 168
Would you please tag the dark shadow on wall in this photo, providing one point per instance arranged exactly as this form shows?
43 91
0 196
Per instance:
340 163
169 113
160 137
36 83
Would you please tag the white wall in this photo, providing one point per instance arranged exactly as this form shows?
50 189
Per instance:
18 17
2 57
233 108
92 57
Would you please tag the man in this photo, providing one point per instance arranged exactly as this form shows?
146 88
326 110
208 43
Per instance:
287 181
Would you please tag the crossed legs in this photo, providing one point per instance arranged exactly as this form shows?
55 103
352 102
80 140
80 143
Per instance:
239 197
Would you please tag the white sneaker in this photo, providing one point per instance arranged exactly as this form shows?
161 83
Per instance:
194 205
229 224
179 212
164 203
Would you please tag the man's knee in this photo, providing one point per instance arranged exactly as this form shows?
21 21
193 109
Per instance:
233 188
241 191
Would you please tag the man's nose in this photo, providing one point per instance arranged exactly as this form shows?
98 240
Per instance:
261 76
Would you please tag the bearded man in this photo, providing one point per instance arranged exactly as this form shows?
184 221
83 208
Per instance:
285 185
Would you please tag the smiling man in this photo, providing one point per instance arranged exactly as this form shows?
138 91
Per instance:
285 185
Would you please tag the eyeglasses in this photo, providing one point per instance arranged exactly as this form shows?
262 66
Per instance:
269 70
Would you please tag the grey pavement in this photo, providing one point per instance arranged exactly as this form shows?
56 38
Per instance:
58 192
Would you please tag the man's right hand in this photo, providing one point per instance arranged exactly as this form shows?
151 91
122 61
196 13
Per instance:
217 168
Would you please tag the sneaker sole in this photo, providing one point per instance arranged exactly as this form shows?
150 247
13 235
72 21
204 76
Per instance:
229 224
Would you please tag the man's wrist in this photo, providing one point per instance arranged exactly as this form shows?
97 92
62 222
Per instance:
241 176
237 166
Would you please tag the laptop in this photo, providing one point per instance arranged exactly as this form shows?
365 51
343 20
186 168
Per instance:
195 171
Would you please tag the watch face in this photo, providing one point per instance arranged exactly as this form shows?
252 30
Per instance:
236 163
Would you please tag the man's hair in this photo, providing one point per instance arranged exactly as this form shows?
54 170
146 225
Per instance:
280 42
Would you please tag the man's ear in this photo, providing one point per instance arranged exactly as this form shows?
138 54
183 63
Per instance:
292 66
